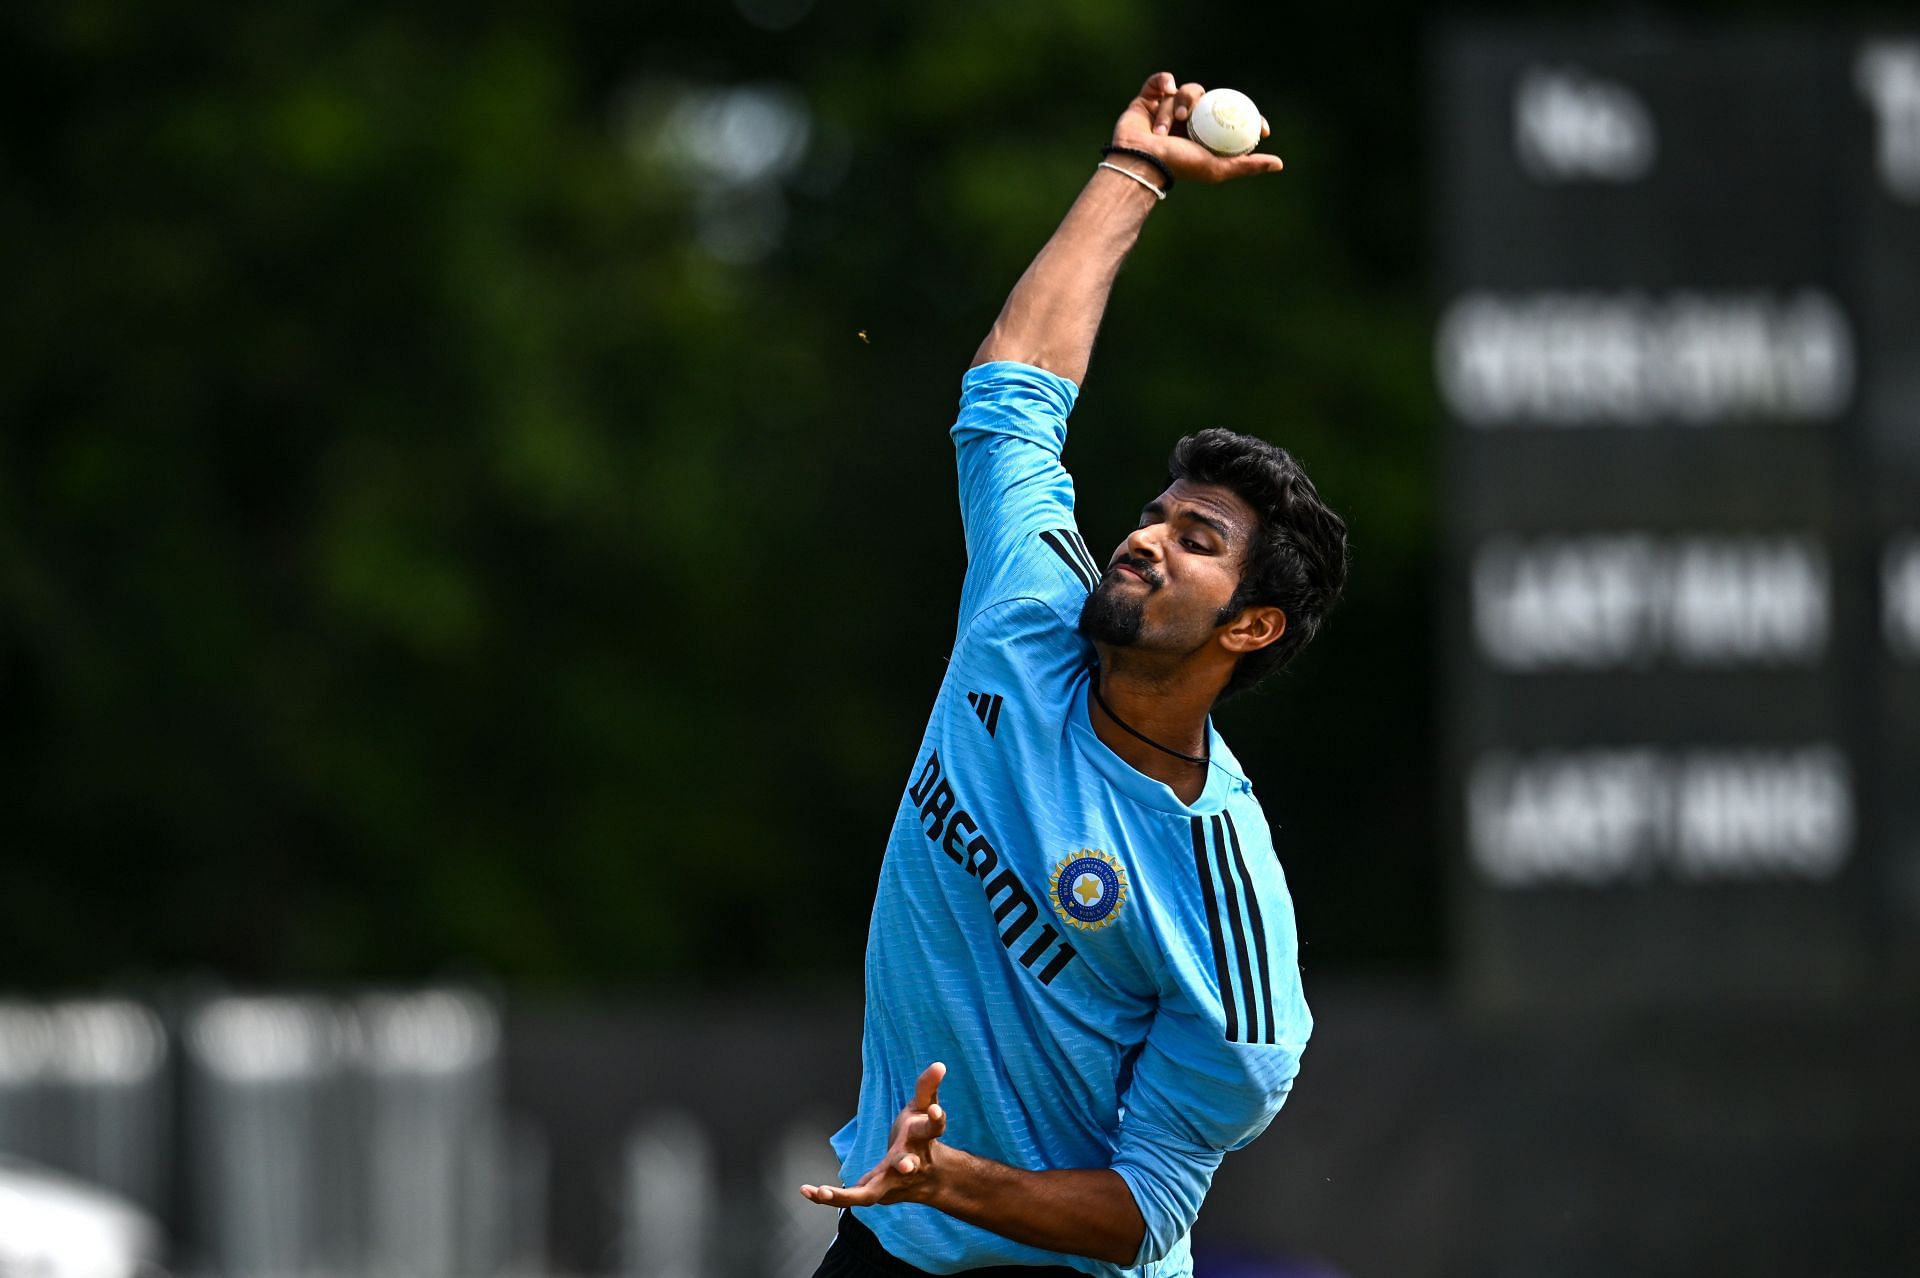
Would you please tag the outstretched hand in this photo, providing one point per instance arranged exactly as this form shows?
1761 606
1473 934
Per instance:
1156 122
907 1170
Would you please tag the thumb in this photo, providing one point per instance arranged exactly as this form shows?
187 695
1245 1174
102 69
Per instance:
927 1089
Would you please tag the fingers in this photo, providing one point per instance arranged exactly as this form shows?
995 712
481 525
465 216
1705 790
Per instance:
863 1195
864 1192
1162 110
931 1125
1189 93
879 1185
926 1092
1158 84
1163 114
1157 98
1239 166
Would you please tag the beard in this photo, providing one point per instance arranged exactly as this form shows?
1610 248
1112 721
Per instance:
1110 617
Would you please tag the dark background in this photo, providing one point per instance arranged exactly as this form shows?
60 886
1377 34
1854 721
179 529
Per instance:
422 548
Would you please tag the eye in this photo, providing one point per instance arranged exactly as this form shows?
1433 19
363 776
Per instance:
1193 545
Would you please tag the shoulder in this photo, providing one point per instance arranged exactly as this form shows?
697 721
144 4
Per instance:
1030 638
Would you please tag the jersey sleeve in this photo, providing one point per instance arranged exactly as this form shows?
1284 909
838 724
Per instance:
1016 498
1218 1061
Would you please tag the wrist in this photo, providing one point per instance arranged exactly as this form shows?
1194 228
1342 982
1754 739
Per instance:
1141 161
1145 191
1136 168
944 1166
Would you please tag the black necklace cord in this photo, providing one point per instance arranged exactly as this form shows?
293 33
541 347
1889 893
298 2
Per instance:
1198 759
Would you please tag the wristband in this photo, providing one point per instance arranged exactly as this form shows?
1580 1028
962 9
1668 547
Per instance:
1158 194
1166 174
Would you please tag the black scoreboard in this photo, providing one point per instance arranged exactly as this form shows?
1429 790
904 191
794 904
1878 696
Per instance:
1678 345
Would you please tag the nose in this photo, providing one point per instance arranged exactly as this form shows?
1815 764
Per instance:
1144 542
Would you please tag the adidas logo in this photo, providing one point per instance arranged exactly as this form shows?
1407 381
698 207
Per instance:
987 707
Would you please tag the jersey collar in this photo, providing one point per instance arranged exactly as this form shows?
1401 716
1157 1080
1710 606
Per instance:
1223 774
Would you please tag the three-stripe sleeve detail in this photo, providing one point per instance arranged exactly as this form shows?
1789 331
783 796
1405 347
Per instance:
1259 928
1239 934
1213 925
1086 556
1059 541
1241 956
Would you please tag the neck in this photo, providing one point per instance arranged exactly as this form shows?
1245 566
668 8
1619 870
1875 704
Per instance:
1170 713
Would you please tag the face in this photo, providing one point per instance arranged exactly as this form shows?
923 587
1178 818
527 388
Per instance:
1167 582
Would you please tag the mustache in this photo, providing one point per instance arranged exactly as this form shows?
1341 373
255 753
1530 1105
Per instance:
1139 565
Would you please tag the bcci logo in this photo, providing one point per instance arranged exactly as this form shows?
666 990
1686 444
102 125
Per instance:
1088 889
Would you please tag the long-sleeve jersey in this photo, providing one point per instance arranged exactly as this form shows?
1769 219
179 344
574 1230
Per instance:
1110 974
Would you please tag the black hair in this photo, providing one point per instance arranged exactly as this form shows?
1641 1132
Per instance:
1298 560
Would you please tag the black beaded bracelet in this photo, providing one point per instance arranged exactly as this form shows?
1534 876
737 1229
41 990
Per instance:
1166 174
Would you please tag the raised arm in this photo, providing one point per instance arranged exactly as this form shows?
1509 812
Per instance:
1053 313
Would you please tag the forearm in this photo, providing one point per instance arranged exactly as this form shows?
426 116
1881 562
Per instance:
1079 1213
1054 312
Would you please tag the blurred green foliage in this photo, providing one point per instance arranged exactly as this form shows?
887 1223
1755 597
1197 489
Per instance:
458 510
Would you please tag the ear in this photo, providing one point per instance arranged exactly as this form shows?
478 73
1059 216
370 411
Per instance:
1253 629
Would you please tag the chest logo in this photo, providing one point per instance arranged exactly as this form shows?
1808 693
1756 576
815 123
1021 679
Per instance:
1089 889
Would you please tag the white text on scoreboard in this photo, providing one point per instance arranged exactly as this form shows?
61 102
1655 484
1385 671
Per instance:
1887 73
1571 126
1900 595
1628 600
1601 816
1629 359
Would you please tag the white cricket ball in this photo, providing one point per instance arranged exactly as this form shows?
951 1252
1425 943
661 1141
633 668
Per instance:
1225 121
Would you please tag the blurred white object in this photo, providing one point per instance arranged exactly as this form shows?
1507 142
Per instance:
800 1232
670 1184
429 1061
357 1137
1569 126
54 1227
1888 75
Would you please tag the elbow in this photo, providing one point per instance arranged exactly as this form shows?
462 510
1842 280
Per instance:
1143 1256
1133 1240
1148 1251
1115 1228
1032 351
1126 1246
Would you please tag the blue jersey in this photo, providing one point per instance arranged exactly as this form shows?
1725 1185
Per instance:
1110 974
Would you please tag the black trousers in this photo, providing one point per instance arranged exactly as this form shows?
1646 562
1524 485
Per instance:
856 1253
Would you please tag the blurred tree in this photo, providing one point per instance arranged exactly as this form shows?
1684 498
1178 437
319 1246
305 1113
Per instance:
474 486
